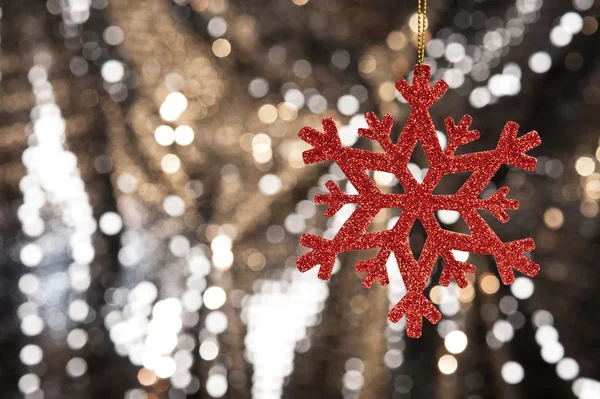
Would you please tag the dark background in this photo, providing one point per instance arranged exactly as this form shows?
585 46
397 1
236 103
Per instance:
344 346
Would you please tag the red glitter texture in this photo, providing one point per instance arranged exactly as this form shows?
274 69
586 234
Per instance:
418 201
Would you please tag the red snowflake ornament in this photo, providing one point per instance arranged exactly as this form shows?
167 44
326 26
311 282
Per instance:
418 201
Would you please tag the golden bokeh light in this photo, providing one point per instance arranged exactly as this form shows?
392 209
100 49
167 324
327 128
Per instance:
170 163
437 294
413 23
267 113
256 261
147 377
585 166
221 48
387 91
396 40
553 218
589 208
489 283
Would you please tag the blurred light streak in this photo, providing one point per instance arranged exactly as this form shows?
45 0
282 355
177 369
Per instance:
278 316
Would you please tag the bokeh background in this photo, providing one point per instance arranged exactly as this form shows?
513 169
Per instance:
153 194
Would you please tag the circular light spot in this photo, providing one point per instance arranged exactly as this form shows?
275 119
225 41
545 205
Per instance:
222 260
32 325
447 364
572 22
164 135
29 383
209 350
545 334
522 288
560 37
258 88
113 35
348 104
456 341
540 62
31 255
174 205
31 355
214 297
393 358
269 184
146 378
503 331
221 48
179 245
413 22
216 322
340 59
567 369
542 318
267 113
216 385
294 223
583 5
184 135
302 68
112 71
512 373
170 163
76 367
216 27
29 283
489 284
454 77
553 218
317 104
585 166
295 97
110 223
165 367
435 48
455 52
552 351
77 339
480 97
78 310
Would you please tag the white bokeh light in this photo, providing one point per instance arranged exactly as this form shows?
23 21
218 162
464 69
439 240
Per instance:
348 105
540 62
214 297
456 342
512 373
112 71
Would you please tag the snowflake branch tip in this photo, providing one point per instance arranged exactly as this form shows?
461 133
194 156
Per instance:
375 268
498 202
420 95
460 134
515 148
511 256
455 269
378 130
320 255
336 199
326 145
415 306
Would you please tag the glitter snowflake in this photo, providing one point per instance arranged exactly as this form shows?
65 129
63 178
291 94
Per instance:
418 201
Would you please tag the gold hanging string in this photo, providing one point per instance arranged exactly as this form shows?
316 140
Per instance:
421 30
